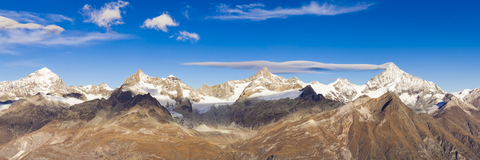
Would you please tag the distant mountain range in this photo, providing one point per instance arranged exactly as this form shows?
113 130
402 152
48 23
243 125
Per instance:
394 116
417 93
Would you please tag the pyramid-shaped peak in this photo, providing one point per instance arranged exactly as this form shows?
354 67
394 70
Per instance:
140 72
139 76
392 67
44 72
263 71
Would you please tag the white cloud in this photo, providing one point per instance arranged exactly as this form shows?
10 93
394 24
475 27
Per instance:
28 17
13 34
292 66
8 24
255 12
184 35
54 29
106 16
160 23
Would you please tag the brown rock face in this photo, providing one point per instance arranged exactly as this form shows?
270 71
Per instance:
26 116
462 113
382 128
124 126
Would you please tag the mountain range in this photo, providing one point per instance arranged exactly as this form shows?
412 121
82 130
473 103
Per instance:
393 116
417 93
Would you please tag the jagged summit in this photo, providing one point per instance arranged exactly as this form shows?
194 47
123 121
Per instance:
166 90
139 76
341 80
263 73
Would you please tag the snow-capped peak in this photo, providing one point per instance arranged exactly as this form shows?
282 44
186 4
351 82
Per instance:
171 76
409 88
43 80
44 70
392 70
139 76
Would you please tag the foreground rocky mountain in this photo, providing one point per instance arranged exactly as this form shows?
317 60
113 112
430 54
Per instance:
381 128
28 115
464 111
129 126
121 127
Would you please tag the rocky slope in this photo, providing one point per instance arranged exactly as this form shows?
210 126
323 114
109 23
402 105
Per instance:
464 112
124 126
381 128
28 115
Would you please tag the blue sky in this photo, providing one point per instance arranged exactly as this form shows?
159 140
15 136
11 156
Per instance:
434 40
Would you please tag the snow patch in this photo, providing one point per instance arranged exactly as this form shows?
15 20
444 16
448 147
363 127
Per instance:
271 95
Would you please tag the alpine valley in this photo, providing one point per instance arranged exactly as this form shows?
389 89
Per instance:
394 115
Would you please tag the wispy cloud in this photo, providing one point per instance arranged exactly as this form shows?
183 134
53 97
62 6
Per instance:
185 13
106 16
29 17
160 23
293 66
13 33
27 63
184 35
256 12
